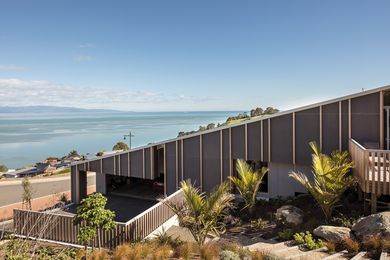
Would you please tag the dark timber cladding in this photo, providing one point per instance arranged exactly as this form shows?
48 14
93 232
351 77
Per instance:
191 159
225 154
330 126
282 139
238 142
307 129
211 161
108 165
124 162
179 162
171 168
136 161
265 140
254 141
148 165
365 118
344 124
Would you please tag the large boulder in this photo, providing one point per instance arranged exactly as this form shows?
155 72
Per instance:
291 214
332 233
375 224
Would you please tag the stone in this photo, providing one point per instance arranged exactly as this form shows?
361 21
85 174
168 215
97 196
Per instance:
375 224
291 214
332 233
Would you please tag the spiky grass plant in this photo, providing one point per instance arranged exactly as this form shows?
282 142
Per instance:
248 183
201 214
330 178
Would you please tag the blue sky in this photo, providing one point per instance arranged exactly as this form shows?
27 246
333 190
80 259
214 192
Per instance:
190 55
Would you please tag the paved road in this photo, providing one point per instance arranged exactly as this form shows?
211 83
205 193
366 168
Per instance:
12 192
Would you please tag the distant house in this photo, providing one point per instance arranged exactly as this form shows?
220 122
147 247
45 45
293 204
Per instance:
28 172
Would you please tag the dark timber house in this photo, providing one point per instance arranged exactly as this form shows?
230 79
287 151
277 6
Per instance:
358 123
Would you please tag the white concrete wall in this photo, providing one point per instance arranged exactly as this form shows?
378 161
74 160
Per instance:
280 184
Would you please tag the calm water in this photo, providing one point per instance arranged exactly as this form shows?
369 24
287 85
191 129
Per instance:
29 138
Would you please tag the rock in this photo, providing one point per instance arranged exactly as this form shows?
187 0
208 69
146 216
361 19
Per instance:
332 233
375 224
291 214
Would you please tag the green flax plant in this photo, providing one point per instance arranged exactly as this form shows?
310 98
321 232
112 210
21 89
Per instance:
248 183
330 178
200 214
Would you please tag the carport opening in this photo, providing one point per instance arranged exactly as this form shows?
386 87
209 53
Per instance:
131 187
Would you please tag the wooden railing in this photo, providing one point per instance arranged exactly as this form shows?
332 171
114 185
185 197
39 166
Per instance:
60 227
371 168
145 223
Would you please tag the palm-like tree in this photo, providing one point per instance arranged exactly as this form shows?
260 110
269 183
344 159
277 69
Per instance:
330 178
248 183
201 214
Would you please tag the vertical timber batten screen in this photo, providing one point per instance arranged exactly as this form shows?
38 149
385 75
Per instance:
57 227
371 168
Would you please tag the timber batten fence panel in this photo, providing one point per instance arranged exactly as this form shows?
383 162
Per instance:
371 168
59 227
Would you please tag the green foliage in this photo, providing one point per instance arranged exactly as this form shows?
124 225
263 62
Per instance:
201 214
330 178
27 193
93 216
3 168
234 119
259 224
229 255
286 234
162 238
344 221
73 153
248 183
100 153
308 240
120 146
23 249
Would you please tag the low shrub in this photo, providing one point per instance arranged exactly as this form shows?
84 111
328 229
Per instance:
99 255
286 234
343 221
308 240
186 250
259 224
210 251
133 251
372 242
331 246
161 252
229 255
162 238
351 245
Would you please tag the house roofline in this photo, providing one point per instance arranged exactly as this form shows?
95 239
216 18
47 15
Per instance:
217 129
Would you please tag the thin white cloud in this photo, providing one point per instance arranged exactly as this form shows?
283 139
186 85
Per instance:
83 58
86 45
11 67
18 92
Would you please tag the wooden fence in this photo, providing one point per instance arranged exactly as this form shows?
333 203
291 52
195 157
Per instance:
371 168
60 227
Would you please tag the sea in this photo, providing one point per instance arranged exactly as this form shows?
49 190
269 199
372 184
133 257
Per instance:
27 138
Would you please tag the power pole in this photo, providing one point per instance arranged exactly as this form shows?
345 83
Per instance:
130 135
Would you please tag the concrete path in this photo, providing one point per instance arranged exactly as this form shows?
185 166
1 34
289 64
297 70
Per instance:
11 191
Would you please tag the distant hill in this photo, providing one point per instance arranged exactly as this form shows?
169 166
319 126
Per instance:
49 109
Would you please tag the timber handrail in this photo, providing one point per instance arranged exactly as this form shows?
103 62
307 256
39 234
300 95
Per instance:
371 168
